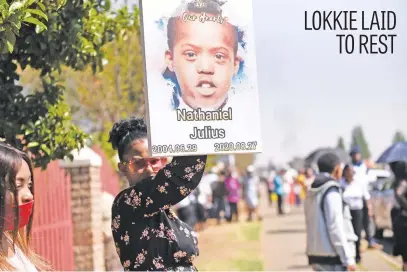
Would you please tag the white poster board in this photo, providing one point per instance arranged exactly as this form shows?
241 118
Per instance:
200 77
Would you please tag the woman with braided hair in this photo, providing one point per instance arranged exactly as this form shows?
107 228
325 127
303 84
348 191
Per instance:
147 234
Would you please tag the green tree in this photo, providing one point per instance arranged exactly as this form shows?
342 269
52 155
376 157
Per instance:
398 137
39 120
341 143
114 93
358 139
211 161
243 161
15 13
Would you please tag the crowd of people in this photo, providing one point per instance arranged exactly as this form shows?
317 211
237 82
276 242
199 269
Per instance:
218 196
288 187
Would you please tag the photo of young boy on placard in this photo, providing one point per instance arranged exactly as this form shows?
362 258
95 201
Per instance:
202 56
200 76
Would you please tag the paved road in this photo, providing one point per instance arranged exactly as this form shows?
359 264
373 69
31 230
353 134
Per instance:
284 245
284 242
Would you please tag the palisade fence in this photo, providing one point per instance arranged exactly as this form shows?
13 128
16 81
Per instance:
71 227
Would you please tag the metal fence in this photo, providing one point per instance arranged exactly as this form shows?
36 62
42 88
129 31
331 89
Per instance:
52 229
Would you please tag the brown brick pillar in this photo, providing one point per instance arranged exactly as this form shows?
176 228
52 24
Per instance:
86 210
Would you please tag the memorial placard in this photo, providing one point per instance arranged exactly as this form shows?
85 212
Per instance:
200 77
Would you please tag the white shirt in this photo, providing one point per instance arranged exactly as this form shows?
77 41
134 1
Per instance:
205 189
204 192
361 172
297 189
183 203
21 263
354 193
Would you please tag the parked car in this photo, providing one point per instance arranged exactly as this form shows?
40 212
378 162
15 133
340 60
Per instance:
382 197
373 174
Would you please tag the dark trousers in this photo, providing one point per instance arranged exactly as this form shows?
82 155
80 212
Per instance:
400 234
357 222
297 200
280 200
219 205
270 194
188 215
200 212
367 224
233 211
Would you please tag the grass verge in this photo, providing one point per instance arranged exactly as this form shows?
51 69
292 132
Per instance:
229 247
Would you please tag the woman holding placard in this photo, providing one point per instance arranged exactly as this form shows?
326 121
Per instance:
147 234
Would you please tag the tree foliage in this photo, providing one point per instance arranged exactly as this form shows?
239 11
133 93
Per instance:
211 161
74 32
102 98
359 140
341 143
398 137
243 161
13 14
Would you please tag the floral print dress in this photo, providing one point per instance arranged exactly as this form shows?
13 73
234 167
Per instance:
147 233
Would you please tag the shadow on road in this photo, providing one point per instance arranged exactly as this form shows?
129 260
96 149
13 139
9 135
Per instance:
285 231
388 244
274 214
297 267
299 254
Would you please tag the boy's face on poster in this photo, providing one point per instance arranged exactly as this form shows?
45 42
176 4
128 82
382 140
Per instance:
203 60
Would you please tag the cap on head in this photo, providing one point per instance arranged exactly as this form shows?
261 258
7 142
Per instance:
354 150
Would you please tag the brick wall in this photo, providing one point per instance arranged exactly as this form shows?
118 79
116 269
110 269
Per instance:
112 261
87 218
91 214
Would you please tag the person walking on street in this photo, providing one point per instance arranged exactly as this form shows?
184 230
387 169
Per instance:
201 212
252 192
301 178
186 211
399 213
309 177
360 176
330 235
233 187
279 190
355 194
270 187
297 187
219 194
205 188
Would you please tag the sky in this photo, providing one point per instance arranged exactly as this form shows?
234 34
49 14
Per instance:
310 94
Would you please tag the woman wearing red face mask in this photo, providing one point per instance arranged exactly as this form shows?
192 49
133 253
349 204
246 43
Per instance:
16 212
147 233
